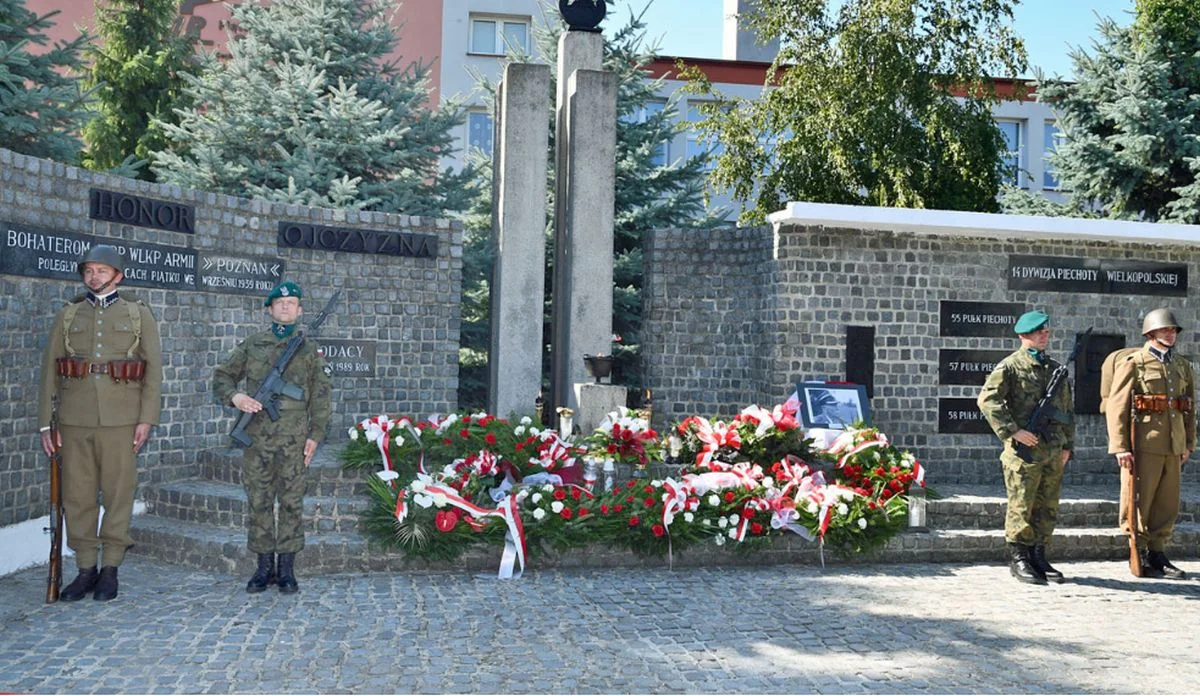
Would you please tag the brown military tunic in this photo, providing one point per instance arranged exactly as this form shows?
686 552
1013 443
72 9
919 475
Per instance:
1158 438
97 416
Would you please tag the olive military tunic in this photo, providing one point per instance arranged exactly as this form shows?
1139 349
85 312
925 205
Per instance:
273 465
1158 439
97 416
1007 400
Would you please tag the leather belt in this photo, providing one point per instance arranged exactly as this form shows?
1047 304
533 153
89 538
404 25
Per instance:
98 368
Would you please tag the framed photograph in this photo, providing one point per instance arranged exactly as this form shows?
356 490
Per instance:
833 406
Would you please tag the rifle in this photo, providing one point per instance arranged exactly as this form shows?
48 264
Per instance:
1130 479
54 581
1046 411
275 385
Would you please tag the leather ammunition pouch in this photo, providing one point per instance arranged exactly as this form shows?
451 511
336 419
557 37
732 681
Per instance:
119 370
1159 403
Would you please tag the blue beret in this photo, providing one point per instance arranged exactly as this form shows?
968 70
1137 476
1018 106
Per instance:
1030 322
284 289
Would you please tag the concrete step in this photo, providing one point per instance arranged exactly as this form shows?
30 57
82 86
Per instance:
224 505
984 507
325 475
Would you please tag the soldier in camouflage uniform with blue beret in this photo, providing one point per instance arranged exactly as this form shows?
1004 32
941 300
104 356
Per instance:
1007 400
275 464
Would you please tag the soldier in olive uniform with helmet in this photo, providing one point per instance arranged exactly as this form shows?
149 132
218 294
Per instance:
1151 417
104 361
1007 400
274 465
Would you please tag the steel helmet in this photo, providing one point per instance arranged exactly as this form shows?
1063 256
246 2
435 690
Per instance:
105 254
1159 319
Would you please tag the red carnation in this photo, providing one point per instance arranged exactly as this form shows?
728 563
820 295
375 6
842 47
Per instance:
648 489
566 513
618 507
747 513
490 438
583 511
629 499
634 521
560 494
658 530
729 496
447 441
464 433
575 493
896 486
648 502
630 484
879 471
756 528
612 449
520 446
604 509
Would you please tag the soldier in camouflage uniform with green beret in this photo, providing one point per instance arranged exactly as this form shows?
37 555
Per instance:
1007 400
274 465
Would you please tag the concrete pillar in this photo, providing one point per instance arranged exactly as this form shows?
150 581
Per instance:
519 225
738 41
596 401
583 301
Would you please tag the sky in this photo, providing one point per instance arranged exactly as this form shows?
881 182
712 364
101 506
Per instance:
692 28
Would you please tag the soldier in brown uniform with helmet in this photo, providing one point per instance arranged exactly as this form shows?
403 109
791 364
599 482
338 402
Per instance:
104 360
1151 417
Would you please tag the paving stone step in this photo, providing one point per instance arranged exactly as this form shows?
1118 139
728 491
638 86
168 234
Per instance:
325 474
984 507
224 505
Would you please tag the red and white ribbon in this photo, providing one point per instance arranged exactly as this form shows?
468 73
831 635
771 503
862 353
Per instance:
514 541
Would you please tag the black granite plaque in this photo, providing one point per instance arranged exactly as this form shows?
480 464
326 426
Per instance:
961 416
43 253
860 357
967 366
1111 277
1087 370
349 357
240 274
307 236
128 209
995 319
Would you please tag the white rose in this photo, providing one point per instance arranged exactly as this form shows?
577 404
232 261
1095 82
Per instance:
688 517
440 500
519 430
556 507
734 519
812 508
656 483
722 522
842 509
526 420
862 523
386 475
536 498
354 433
539 514
768 482
713 500
720 540
522 495
732 533
548 488
706 523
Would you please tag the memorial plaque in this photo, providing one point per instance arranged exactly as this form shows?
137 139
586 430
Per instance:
961 416
995 319
241 275
128 209
43 253
1087 370
307 236
860 357
1094 276
349 357
967 366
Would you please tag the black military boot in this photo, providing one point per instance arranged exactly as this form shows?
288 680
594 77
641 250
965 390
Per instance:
106 586
287 575
1021 567
1158 559
1037 558
83 583
264 575
1149 569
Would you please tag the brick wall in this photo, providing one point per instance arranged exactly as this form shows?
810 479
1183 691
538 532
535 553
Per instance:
409 306
739 316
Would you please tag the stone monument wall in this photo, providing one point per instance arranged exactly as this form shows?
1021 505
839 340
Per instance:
204 263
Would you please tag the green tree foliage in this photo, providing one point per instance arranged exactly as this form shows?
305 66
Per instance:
1130 124
135 77
307 110
655 188
40 100
860 106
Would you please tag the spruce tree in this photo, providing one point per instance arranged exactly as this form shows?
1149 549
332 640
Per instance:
305 109
1130 123
650 193
135 76
40 99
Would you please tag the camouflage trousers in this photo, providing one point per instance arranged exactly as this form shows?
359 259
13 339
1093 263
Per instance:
1033 490
273 468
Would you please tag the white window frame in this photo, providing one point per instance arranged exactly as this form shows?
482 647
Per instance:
496 43
1020 178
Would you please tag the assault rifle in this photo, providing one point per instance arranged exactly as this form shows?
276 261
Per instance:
275 385
1046 411
54 580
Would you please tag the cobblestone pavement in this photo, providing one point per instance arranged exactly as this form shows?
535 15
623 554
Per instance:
861 629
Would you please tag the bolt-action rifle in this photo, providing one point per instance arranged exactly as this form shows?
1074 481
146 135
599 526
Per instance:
275 386
1130 479
54 580
1046 412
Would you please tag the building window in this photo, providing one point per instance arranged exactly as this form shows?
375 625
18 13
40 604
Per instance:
1014 141
479 131
1054 138
697 142
495 36
644 113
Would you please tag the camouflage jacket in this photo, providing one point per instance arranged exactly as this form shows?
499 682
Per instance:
252 360
1014 389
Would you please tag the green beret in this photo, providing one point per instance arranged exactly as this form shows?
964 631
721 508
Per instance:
284 289
1030 322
